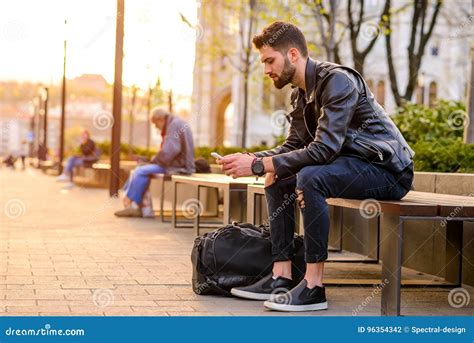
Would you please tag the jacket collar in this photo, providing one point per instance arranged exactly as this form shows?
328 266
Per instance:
310 80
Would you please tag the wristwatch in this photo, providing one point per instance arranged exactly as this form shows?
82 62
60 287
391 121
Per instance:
258 168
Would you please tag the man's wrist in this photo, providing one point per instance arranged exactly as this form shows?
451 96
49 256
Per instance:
268 164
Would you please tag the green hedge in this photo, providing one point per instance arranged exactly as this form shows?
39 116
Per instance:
203 151
436 136
125 151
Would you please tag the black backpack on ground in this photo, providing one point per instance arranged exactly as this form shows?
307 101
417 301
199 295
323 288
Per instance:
236 255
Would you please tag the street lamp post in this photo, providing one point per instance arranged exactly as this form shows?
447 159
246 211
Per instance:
43 148
148 122
35 127
117 103
63 108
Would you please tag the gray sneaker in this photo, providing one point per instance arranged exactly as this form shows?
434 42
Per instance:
129 212
147 212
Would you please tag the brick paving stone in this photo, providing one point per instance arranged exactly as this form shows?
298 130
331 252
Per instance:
67 247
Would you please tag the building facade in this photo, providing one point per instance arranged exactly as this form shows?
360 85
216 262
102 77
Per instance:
218 97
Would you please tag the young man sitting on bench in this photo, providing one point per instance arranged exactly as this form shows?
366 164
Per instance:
341 144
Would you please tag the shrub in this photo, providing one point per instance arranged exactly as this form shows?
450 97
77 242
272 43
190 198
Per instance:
436 136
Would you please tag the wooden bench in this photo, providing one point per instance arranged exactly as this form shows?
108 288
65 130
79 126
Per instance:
162 179
452 210
46 165
226 184
98 174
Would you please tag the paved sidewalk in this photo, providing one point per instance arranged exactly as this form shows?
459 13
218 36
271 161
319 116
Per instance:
62 252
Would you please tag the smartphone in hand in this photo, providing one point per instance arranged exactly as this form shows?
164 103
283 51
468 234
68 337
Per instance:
216 156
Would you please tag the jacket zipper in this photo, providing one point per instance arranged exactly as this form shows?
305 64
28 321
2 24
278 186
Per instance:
369 147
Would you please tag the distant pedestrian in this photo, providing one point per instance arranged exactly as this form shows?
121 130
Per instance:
89 154
23 153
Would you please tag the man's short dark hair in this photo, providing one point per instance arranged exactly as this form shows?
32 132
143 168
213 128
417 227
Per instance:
282 36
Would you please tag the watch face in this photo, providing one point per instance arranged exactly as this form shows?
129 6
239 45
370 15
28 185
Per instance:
258 167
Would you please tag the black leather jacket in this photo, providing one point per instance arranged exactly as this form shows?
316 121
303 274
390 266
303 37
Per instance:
340 117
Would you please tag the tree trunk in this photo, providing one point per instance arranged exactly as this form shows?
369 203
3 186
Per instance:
131 123
415 51
469 129
245 110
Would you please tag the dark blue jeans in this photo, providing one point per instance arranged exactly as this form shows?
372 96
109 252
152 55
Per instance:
346 177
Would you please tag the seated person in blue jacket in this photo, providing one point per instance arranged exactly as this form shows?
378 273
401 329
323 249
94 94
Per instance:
176 156
88 155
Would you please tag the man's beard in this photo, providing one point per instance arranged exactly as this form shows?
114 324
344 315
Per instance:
286 75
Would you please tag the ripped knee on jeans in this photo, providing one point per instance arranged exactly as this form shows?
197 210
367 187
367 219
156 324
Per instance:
300 197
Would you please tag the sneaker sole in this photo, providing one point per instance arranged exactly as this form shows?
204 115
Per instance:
249 295
295 308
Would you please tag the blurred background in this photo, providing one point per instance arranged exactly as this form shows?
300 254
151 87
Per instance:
196 58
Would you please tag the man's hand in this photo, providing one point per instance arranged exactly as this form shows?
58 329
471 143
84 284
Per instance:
270 179
236 165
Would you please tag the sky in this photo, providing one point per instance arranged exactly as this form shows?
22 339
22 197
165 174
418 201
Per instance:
157 42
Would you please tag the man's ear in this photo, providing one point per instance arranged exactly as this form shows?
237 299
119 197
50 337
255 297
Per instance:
293 54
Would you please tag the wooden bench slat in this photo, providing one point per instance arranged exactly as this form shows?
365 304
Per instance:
403 208
449 205
415 203
440 199
211 180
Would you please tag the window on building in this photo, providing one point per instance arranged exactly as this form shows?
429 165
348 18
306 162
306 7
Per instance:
433 93
380 93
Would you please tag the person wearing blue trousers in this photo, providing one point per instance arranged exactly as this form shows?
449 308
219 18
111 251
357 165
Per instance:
138 183
88 155
176 156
